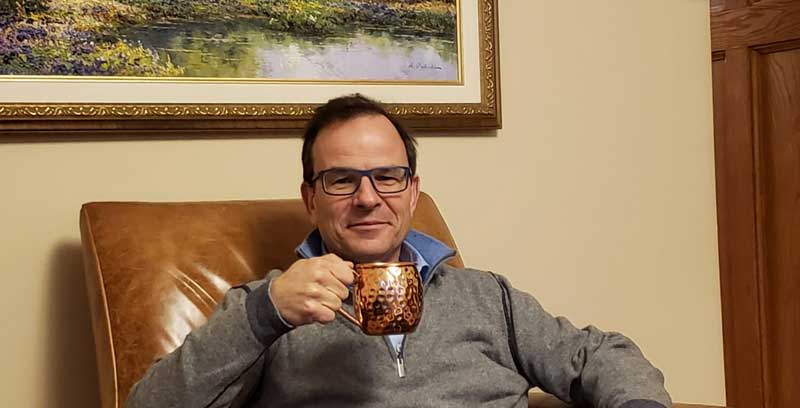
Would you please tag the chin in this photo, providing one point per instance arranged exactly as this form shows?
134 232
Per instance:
362 255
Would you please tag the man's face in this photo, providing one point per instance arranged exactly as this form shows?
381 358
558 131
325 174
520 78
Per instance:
366 226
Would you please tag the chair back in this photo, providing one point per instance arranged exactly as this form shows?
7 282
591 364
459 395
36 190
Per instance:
155 271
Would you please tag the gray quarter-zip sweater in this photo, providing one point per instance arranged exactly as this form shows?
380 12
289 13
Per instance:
458 356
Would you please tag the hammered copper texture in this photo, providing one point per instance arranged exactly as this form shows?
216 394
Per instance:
388 298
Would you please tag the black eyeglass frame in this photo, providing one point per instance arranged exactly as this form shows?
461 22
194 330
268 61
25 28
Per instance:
364 173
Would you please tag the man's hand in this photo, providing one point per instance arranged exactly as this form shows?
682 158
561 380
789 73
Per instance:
312 290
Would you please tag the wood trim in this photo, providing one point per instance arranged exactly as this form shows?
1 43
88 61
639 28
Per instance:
771 374
721 5
777 47
735 4
761 23
759 205
736 212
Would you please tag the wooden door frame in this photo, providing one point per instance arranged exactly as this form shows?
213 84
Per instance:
738 38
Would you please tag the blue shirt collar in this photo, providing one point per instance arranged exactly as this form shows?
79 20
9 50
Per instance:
409 254
422 249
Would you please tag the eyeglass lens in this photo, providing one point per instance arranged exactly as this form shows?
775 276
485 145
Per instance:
346 181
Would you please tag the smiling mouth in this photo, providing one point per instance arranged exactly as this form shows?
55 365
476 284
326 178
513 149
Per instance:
368 225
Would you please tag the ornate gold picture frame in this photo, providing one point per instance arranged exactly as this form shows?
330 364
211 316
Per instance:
137 106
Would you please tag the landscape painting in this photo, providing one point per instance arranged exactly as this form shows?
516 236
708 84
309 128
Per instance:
293 40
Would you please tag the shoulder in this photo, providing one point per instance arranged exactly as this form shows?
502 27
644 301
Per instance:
465 282
469 282
451 274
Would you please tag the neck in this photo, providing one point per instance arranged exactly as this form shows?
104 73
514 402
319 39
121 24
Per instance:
394 256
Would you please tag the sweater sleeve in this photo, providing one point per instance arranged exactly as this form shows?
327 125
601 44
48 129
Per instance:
605 369
220 363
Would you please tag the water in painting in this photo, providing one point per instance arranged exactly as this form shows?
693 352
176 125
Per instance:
329 40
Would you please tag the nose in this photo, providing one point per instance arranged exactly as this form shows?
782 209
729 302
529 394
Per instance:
366 196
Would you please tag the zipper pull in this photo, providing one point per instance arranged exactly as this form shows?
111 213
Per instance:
401 365
396 344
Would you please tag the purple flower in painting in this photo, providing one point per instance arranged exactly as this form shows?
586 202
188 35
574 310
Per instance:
26 33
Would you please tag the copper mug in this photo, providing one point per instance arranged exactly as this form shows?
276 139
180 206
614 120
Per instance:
387 298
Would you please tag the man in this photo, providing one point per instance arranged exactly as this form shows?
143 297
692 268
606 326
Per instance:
278 342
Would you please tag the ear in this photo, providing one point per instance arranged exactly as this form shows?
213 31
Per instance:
414 187
308 192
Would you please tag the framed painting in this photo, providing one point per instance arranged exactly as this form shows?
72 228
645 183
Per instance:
248 67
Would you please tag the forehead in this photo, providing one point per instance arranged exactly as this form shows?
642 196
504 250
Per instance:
362 142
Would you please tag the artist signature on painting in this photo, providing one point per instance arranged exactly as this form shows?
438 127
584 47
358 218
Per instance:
421 66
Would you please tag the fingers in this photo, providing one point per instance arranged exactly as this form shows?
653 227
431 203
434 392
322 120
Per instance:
342 270
312 290
324 315
335 274
313 311
324 297
319 308
338 290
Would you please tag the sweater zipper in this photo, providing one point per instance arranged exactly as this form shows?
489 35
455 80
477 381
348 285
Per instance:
397 350
399 359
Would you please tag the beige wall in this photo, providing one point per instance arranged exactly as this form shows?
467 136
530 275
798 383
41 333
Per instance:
597 196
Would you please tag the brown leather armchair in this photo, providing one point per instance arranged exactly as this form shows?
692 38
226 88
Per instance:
155 271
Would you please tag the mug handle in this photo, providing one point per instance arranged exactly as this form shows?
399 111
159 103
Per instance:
347 314
349 317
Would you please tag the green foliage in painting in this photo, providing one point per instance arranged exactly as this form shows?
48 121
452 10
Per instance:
71 39
82 37
323 16
303 15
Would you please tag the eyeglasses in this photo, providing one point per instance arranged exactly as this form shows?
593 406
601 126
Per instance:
340 181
